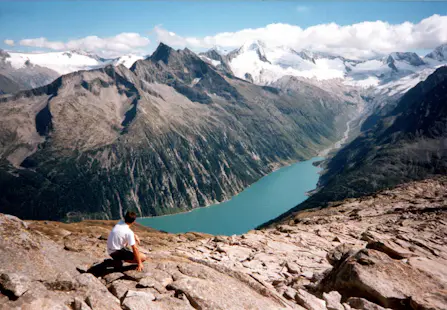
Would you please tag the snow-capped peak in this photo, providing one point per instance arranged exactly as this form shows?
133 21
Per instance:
220 50
254 45
439 53
127 60
265 64
67 61
306 55
85 53
408 57
61 62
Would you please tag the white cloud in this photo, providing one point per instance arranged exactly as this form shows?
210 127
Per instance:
359 40
9 42
302 8
107 47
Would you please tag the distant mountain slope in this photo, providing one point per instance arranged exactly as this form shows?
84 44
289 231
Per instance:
61 62
7 85
255 62
31 70
68 61
259 63
27 75
218 60
439 54
408 143
170 134
267 64
126 60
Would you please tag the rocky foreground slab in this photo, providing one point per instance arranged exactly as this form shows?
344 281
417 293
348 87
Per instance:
388 250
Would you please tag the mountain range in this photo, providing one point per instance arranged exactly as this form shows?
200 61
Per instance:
257 61
266 64
179 130
169 134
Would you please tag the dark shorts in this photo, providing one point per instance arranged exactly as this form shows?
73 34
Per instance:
123 254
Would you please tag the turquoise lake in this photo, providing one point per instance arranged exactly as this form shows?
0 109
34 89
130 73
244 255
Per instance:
264 200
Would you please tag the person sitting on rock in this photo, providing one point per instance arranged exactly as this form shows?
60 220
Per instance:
121 237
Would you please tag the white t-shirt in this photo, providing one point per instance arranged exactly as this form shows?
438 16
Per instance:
120 237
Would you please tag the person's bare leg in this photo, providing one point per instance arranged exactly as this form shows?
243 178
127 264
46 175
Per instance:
134 261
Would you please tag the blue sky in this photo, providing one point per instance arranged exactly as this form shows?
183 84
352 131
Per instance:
63 21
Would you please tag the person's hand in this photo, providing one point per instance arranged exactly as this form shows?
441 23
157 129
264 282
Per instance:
140 267
137 240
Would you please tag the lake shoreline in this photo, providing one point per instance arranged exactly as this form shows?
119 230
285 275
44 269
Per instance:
270 196
276 168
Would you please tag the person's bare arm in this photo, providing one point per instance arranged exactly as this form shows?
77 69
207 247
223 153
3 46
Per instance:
136 254
137 239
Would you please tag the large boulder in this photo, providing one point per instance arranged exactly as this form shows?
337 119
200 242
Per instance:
434 267
309 301
377 277
333 300
149 282
136 300
37 297
79 304
109 278
436 300
13 283
340 253
150 271
207 288
386 245
97 295
363 304
119 288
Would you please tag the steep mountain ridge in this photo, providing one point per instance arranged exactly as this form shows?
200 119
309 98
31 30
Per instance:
406 143
170 134
215 58
412 134
187 73
410 58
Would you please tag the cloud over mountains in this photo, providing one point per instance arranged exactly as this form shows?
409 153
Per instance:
359 40
115 46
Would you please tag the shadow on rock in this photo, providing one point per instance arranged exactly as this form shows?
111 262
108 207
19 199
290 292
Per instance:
106 267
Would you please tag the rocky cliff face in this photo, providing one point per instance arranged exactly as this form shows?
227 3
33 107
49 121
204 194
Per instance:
170 134
218 60
388 250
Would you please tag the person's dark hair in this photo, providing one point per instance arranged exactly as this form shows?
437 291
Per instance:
130 217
